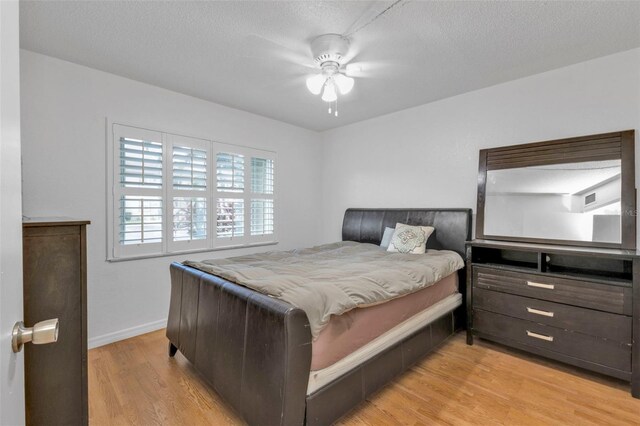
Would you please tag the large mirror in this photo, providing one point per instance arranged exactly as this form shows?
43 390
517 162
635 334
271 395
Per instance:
577 191
572 201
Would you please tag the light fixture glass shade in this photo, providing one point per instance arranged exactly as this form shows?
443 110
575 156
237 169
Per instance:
329 94
344 83
315 83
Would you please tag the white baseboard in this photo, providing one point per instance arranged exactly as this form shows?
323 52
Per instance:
105 339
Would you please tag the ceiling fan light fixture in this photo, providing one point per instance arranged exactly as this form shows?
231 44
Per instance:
329 52
344 83
329 94
315 83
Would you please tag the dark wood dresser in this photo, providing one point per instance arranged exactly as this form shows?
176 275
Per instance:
55 286
572 304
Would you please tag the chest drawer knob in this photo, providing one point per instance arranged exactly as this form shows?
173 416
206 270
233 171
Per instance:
539 336
540 285
539 312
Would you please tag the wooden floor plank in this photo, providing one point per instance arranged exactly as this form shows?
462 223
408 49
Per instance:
134 382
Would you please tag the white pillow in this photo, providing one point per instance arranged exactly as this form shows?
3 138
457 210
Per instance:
410 239
386 237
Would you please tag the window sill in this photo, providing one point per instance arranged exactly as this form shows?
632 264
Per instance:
185 252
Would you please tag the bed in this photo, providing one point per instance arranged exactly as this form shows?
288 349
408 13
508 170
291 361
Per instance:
256 351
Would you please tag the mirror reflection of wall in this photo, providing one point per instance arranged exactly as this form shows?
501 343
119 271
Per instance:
573 201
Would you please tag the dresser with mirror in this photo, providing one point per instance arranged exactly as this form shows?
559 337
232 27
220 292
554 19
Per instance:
554 269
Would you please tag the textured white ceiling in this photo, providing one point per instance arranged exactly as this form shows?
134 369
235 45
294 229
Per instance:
252 55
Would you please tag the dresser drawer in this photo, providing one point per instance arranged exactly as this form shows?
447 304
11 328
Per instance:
595 323
577 345
603 297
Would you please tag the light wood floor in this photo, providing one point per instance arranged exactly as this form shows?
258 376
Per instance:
134 382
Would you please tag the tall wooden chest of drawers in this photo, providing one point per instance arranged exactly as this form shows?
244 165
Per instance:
55 286
576 305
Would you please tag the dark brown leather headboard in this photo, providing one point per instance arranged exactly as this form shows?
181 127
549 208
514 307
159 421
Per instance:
452 226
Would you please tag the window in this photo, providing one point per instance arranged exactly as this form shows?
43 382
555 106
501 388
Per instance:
172 194
245 211
262 197
229 185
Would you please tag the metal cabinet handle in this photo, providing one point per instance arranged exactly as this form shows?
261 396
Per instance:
540 285
42 333
540 336
539 312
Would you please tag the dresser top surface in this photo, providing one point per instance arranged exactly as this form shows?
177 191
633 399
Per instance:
52 221
553 248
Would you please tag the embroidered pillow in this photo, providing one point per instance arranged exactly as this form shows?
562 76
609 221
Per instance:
410 239
386 237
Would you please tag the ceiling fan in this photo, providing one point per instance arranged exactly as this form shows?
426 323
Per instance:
329 52
333 73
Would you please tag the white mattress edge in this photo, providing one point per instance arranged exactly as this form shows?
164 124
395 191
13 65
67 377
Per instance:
319 378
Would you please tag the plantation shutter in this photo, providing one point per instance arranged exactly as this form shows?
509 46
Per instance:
230 172
230 201
262 201
261 217
189 168
172 194
261 176
188 193
230 218
138 193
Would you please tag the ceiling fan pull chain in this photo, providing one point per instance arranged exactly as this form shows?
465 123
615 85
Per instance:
336 106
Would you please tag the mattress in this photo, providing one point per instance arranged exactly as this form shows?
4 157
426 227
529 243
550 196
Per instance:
319 378
347 332
332 279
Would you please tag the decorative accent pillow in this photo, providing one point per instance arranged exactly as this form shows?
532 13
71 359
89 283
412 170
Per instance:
410 239
386 237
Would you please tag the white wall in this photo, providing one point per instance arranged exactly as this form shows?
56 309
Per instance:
427 156
11 364
63 129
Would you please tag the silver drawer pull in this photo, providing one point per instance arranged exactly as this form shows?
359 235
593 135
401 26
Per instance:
539 312
540 336
540 285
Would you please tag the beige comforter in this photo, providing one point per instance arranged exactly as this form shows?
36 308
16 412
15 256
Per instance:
334 278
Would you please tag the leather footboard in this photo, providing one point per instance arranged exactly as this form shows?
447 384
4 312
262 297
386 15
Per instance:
254 350
328 404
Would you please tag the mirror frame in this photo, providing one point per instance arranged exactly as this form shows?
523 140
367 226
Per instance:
604 146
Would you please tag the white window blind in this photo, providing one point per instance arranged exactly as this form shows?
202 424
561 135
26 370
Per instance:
230 219
189 168
140 163
188 193
138 193
173 193
189 218
261 175
230 172
140 219
261 217
262 200
230 184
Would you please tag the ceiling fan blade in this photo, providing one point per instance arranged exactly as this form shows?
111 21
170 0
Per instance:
256 46
354 69
371 69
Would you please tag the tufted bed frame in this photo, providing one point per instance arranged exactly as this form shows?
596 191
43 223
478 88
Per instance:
255 351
